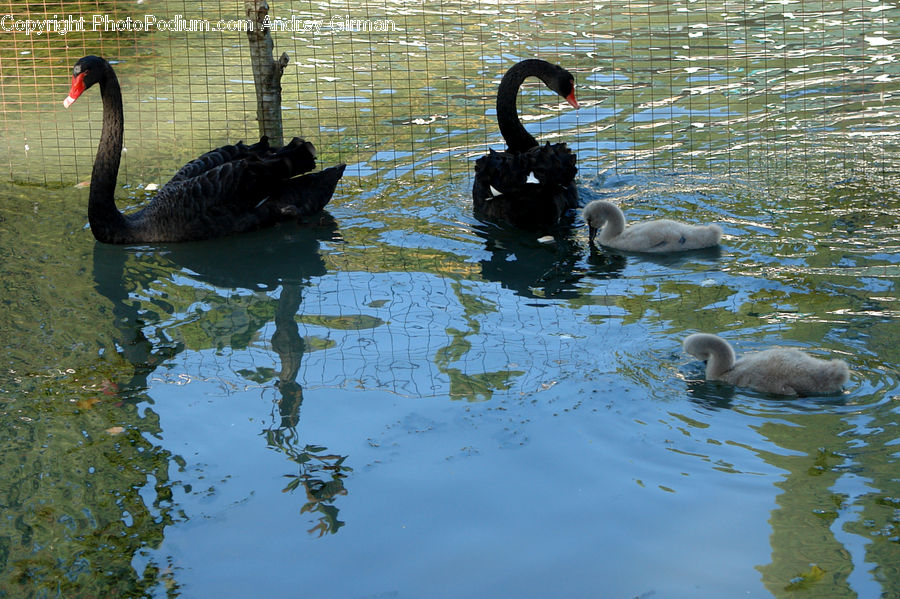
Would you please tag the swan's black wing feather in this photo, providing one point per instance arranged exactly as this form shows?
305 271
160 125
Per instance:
530 190
238 195
220 156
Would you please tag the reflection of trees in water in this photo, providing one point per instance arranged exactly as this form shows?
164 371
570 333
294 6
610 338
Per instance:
477 386
78 458
834 528
72 485
84 485
543 272
288 258
320 474
806 551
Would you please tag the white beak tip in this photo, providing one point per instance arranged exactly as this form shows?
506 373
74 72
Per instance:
68 101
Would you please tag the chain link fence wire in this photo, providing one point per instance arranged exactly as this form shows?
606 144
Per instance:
406 89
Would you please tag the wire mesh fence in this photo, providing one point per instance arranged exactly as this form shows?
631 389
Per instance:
395 88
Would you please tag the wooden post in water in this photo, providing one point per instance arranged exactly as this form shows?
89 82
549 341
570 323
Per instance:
266 71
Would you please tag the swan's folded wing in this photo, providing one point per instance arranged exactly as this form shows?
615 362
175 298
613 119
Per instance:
650 236
551 165
244 184
236 196
542 170
220 156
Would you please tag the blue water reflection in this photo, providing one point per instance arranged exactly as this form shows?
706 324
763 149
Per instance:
396 399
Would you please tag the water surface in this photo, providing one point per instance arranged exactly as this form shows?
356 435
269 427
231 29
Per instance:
395 400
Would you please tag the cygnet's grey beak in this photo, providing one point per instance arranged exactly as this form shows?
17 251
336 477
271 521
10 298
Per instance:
592 232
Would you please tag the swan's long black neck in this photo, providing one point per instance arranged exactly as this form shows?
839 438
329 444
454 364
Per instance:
517 138
107 222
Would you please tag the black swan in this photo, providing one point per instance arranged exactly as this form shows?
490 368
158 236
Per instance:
528 186
232 189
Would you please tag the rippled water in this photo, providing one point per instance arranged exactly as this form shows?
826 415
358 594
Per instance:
395 400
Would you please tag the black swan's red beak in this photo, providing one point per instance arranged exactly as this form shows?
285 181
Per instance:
76 89
571 99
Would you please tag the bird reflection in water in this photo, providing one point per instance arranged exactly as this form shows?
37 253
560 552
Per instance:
549 269
287 257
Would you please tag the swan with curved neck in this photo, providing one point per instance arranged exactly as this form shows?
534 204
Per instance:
654 236
528 186
782 371
517 138
231 189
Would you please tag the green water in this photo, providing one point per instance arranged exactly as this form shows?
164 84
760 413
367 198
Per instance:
395 400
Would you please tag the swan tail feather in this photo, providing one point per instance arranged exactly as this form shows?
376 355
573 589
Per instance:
309 193
298 157
715 234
